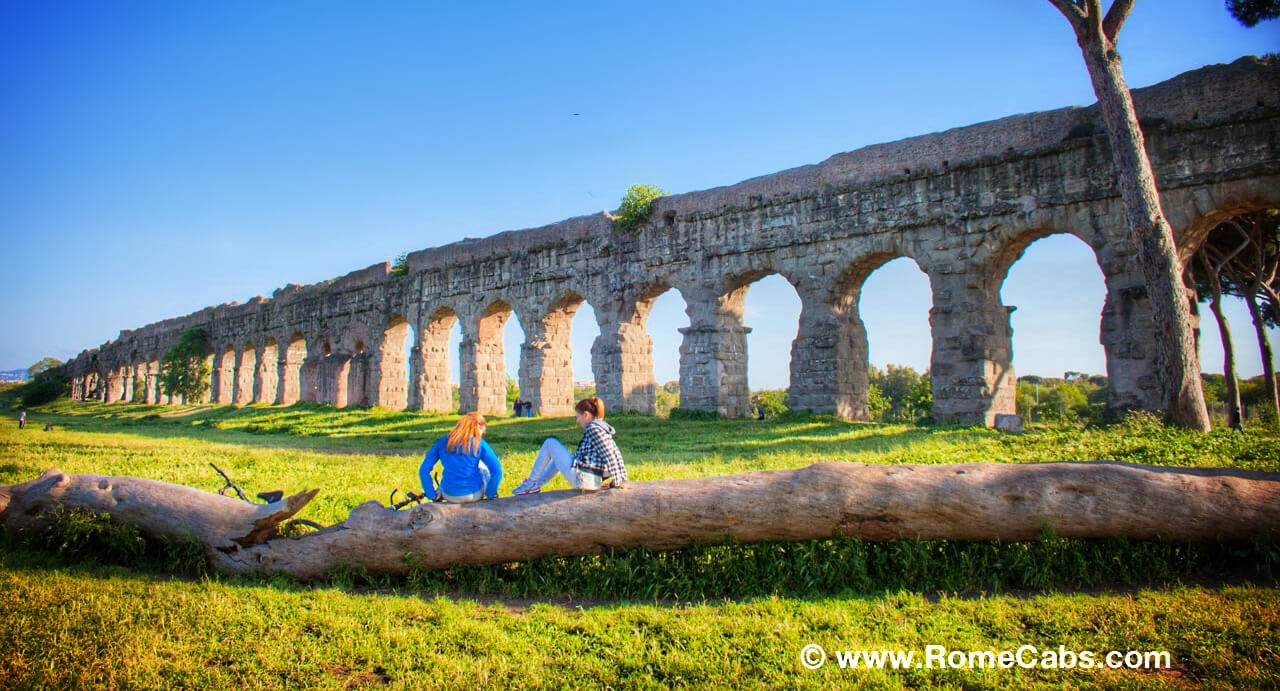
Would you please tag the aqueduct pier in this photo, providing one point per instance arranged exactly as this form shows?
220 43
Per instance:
963 204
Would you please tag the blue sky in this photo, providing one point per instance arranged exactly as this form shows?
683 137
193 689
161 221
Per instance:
158 157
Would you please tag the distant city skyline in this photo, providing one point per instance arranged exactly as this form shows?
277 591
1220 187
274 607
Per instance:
158 157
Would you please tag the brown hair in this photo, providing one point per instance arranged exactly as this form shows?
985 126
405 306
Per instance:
591 405
465 436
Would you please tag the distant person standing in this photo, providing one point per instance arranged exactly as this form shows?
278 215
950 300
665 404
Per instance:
22 419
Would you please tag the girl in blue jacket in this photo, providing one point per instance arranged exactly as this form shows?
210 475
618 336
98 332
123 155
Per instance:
471 468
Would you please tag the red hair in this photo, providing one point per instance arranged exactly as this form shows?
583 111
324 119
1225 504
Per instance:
465 436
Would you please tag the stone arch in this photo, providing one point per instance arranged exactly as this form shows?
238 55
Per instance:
392 379
349 367
152 373
985 350
767 347
713 353
483 385
289 367
314 383
246 365
830 358
622 355
546 357
1194 212
1126 329
1064 315
224 374
434 382
266 378
129 374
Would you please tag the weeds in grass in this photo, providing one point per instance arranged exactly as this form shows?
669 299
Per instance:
848 566
74 536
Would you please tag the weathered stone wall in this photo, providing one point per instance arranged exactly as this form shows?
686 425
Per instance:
963 204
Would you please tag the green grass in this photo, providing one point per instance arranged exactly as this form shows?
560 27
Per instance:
91 604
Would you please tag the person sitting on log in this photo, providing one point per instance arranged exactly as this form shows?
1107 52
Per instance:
598 456
471 468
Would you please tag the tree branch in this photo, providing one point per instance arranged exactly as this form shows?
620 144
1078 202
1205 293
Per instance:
1093 18
1115 18
1072 12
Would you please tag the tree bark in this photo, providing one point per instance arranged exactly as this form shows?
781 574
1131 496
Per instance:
1213 270
1177 359
1228 364
158 509
983 501
1264 348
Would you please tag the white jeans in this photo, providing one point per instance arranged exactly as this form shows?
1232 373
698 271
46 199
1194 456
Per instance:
474 496
553 458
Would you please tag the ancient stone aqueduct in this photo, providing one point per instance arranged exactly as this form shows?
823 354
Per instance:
963 204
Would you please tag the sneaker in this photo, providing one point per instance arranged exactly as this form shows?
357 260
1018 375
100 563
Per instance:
527 487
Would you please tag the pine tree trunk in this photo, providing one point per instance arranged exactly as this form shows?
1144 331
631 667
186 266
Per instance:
1264 347
1234 418
1177 360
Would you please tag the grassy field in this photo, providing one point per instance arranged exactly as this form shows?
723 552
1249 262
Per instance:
97 610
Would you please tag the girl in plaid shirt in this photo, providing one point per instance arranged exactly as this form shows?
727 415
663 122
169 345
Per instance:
598 457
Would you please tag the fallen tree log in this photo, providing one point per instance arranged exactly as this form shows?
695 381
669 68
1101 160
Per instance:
158 509
874 502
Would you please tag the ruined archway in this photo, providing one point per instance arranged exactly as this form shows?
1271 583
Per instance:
224 373
771 320
434 352
891 310
546 358
289 390
483 381
245 366
391 365
266 381
638 349
1060 342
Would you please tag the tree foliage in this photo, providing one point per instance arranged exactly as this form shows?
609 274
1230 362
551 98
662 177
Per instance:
46 363
1250 12
1058 400
899 393
44 390
667 398
774 402
185 371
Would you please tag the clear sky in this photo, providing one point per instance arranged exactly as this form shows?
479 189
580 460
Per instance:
159 157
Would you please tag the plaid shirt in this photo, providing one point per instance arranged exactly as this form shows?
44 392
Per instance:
598 454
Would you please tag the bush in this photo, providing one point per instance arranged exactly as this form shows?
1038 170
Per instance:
774 402
46 390
637 203
400 267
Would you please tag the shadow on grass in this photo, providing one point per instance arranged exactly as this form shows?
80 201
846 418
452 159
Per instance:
843 568
643 438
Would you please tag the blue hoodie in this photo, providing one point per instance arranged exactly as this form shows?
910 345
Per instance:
461 474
